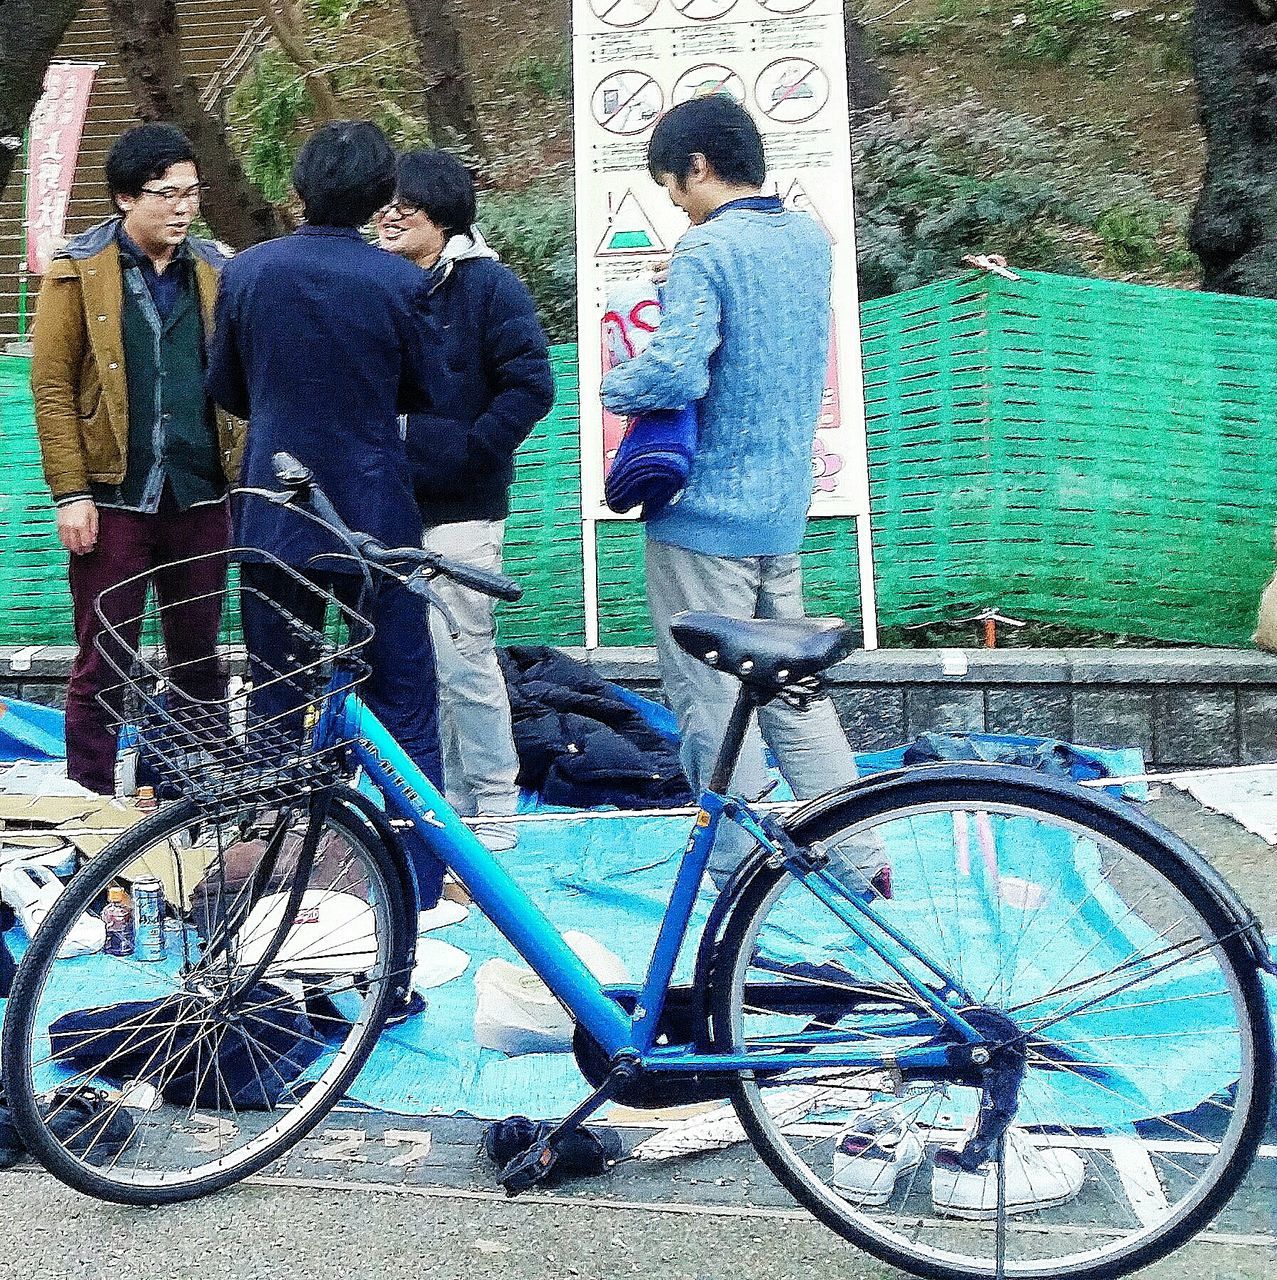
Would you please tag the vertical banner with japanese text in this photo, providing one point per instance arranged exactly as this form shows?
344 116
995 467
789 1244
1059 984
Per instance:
785 61
53 149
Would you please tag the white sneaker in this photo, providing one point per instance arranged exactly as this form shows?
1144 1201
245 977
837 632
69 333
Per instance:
871 1153
440 916
496 837
1036 1178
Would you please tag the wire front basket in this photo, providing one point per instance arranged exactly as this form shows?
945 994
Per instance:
219 739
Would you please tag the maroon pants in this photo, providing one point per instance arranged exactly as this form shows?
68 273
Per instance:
189 593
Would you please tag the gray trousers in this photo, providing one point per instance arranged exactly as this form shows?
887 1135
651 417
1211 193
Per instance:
810 746
480 764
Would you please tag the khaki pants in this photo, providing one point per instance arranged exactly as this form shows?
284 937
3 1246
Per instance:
480 764
810 746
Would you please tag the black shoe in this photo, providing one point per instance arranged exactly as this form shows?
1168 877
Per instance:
11 1146
518 1147
412 1004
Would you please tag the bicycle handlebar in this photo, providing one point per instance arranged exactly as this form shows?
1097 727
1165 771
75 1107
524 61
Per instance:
299 478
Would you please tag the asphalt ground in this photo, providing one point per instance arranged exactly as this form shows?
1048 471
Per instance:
372 1194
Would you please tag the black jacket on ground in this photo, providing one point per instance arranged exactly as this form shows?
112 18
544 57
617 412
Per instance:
579 744
493 386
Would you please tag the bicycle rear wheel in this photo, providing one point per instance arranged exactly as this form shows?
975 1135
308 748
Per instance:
149 1078
1076 932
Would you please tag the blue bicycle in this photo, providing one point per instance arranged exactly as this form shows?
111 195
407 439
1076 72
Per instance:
1040 1049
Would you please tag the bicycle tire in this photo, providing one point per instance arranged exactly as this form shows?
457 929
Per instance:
802 1166
358 862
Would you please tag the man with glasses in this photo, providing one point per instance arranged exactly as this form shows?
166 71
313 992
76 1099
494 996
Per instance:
136 456
494 385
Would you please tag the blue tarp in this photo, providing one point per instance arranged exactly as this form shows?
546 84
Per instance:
30 732
611 877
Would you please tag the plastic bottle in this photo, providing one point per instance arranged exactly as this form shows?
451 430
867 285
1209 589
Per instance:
117 915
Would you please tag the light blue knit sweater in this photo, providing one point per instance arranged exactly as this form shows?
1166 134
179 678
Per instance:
744 330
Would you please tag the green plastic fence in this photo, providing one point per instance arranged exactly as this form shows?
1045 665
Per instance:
35 607
1071 451
1074 451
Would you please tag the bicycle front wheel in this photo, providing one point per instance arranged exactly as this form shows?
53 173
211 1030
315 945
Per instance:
221 1032
1068 930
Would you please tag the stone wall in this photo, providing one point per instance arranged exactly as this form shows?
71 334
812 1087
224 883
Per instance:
1181 706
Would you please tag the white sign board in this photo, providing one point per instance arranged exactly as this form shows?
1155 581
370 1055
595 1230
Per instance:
785 61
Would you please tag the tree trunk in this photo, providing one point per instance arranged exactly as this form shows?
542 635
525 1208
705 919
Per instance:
150 49
288 27
1234 229
30 32
450 109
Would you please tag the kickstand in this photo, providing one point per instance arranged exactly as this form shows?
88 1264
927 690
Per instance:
537 1162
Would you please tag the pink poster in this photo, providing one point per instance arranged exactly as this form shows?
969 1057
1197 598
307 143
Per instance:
54 147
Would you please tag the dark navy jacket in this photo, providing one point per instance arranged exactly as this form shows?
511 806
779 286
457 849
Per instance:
321 341
493 386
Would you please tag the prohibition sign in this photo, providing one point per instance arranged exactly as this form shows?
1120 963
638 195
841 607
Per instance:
623 13
707 79
703 10
626 102
792 90
786 6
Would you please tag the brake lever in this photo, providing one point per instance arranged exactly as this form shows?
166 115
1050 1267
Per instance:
280 497
418 582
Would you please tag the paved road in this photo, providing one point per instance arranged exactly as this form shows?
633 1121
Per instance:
267 1233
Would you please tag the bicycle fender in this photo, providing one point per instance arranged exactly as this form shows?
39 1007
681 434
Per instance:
363 809
754 864
807 824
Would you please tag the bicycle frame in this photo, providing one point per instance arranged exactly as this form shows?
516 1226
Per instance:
410 795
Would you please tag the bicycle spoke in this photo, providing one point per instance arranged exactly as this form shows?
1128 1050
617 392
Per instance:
1101 947
201 1042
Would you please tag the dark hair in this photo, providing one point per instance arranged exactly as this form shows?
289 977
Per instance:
344 173
717 127
143 153
441 186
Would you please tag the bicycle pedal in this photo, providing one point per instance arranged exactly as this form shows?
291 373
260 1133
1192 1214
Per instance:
528 1168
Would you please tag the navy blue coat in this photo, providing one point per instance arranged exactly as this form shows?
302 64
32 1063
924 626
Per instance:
321 341
494 385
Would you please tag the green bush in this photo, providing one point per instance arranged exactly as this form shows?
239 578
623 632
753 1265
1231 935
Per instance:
265 112
1181 261
534 231
911 37
933 185
1175 56
1054 28
549 77
335 12
1129 236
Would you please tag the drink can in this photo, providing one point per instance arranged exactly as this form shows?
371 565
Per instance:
148 919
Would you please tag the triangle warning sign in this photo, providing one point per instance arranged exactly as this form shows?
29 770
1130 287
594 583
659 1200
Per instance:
796 198
629 230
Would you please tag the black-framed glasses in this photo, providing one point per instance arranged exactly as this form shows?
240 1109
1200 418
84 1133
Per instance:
397 210
175 195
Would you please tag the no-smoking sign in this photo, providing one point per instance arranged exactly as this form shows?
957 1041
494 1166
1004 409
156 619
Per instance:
703 10
791 90
706 80
624 13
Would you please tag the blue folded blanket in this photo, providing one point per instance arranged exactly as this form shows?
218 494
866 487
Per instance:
652 462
